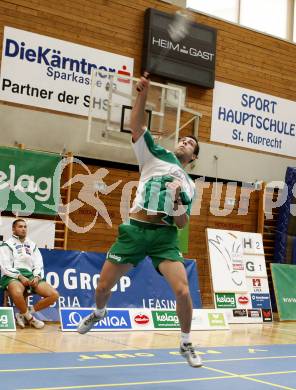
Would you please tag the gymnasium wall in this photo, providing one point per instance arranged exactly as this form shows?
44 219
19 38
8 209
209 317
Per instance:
244 58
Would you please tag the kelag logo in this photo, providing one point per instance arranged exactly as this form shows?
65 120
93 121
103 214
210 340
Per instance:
165 319
6 319
116 319
226 300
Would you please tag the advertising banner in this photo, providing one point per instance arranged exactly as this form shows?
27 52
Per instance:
74 274
253 120
284 276
41 231
7 323
45 72
226 258
119 319
243 291
29 181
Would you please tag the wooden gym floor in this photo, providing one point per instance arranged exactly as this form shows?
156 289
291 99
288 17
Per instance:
52 339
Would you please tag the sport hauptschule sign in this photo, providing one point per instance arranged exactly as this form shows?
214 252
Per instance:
40 71
249 119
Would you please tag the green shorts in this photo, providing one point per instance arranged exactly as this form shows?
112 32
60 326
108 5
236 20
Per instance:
5 280
136 240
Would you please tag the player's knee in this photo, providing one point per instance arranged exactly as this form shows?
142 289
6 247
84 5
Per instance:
103 288
182 291
54 296
16 292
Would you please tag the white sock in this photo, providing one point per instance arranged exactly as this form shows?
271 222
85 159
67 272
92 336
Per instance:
185 338
28 316
32 310
100 312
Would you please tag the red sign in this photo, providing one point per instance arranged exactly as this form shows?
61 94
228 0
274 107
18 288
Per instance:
243 300
256 282
141 319
267 315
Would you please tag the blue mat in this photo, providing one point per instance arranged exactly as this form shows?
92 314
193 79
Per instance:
243 368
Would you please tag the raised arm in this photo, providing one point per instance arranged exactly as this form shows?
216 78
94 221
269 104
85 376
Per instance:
138 111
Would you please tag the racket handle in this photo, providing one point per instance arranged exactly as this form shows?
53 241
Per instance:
146 75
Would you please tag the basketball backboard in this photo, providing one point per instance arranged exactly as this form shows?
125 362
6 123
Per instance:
111 100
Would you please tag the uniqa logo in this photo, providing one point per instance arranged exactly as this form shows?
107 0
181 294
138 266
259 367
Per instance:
74 318
113 321
167 318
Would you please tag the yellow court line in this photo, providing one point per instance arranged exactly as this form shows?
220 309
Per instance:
272 373
269 383
227 375
246 376
90 367
248 358
133 383
139 364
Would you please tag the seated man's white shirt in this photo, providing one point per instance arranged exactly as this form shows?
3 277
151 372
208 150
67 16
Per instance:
15 254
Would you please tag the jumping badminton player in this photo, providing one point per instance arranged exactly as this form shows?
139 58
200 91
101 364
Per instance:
163 202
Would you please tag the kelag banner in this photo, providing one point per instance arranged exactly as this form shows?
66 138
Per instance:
29 181
284 276
74 274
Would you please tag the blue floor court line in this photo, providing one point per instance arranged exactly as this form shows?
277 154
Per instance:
246 368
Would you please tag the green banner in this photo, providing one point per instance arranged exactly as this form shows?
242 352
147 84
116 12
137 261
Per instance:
6 319
165 319
29 181
216 319
183 235
284 276
225 300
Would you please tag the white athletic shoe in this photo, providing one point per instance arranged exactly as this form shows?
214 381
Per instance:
88 322
36 323
193 359
20 320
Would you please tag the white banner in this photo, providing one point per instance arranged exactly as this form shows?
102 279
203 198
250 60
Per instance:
41 231
119 319
226 258
40 71
239 276
249 119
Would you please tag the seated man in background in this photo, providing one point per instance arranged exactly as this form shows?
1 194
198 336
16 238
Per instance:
22 274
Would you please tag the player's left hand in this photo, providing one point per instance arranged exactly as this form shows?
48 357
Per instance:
34 282
175 188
